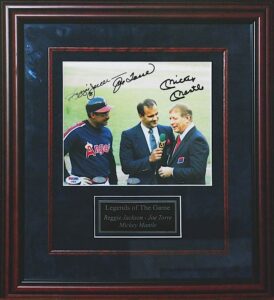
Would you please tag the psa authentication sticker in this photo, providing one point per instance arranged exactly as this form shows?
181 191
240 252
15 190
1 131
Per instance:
73 180
181 159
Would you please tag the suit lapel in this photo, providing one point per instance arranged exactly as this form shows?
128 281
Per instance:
141 139
183 144
160 129
178 151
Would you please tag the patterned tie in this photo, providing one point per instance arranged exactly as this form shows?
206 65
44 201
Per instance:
178 142
152 140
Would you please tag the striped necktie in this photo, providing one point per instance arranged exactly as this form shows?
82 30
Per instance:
152 140
178 142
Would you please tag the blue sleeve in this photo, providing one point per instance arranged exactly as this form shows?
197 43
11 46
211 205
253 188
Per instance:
131 165
112 165
199 152
69 140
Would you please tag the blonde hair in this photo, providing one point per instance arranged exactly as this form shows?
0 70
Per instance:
184 110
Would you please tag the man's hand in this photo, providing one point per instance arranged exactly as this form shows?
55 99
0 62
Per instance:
155 155
85 181
165 172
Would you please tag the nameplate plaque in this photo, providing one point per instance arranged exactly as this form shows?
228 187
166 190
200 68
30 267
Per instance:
137 217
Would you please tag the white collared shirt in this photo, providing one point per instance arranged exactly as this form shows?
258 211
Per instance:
190 126
146 133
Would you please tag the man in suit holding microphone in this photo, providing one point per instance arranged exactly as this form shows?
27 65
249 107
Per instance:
146 146
187 162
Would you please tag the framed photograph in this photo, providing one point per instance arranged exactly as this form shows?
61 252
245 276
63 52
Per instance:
136 150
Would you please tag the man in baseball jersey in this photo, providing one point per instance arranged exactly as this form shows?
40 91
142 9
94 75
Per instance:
89 146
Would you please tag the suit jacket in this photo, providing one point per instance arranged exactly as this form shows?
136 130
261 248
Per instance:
189 160
134 154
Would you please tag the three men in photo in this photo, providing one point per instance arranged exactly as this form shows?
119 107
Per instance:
148 151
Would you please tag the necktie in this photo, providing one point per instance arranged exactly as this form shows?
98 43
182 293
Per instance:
152 140
178 142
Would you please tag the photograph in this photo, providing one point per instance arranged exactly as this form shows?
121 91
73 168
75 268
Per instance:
137 123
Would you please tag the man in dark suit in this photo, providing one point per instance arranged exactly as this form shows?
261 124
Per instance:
187 162
140 153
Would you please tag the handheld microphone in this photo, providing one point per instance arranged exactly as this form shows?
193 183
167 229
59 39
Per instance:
162 141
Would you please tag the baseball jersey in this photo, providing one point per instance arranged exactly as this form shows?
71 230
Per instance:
90 151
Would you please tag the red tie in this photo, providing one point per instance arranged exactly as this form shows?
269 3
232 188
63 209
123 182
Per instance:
177 144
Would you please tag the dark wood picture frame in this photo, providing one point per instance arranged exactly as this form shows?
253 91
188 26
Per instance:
14 14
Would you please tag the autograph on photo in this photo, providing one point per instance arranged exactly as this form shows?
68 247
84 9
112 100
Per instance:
117 82
179 94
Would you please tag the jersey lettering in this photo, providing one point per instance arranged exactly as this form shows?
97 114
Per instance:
93 150
89 150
